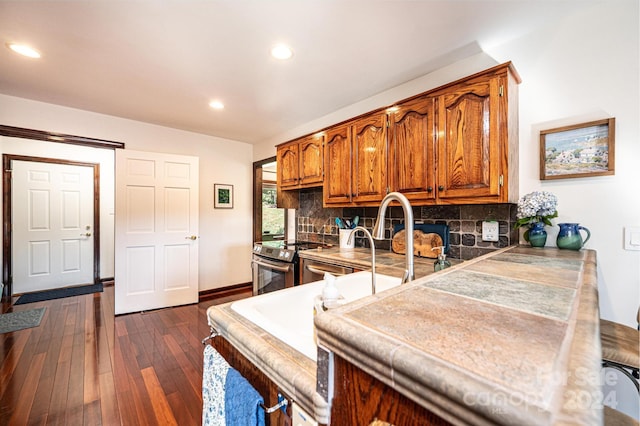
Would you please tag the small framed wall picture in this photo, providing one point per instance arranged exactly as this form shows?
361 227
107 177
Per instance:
579 150
222 196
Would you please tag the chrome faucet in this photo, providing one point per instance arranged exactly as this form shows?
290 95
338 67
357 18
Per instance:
378 230
373 254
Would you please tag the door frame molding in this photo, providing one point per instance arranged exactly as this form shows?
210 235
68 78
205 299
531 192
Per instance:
257 200
7 264
41 135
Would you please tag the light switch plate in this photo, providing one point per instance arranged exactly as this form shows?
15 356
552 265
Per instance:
632 238
490 230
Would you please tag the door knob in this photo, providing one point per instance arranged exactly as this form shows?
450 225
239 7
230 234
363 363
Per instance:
88 234
192 238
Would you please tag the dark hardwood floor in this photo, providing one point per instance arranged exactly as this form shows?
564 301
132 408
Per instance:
82 365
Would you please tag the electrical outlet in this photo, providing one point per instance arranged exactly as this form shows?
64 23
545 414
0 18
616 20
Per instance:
490 230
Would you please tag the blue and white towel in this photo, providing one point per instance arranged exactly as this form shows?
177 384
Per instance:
214 377
242 403
227 397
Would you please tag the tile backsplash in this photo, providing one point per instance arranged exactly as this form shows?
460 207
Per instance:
315 223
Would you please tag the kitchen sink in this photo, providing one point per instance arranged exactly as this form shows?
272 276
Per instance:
288 314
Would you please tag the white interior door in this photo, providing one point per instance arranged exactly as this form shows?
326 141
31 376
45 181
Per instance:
156 237
52 220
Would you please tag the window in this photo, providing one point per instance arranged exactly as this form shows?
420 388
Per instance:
272 217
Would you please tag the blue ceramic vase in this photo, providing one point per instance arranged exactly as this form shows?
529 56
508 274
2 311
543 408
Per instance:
569 236
536 235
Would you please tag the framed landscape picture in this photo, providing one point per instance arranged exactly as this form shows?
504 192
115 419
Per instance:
222 196
580 150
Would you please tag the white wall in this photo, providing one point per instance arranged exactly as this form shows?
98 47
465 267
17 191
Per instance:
586 68
226 234
583 68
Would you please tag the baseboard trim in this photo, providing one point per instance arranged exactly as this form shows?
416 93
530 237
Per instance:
107 281
218 293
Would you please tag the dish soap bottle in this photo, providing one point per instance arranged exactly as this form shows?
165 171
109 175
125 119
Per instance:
442 262
330 293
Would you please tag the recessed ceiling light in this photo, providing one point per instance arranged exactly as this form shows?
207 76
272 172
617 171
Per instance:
216 105
24 50
281 51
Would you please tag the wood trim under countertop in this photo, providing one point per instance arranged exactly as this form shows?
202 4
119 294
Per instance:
362 399
263 385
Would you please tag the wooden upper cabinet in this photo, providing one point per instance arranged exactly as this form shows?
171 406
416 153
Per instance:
468 150
288 160
311 159
477 143
457 144
355 161
412 149
337 165
369 158
300 163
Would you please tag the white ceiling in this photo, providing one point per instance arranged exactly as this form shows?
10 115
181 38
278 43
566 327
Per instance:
162 62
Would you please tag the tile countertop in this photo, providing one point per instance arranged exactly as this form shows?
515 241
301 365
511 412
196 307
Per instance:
508 338
387 263
511 337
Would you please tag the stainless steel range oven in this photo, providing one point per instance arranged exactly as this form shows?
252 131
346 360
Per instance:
275 265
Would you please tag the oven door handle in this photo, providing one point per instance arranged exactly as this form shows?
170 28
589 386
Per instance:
272 266
320 271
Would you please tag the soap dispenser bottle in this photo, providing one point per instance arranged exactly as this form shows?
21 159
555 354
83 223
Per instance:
330 293
442 262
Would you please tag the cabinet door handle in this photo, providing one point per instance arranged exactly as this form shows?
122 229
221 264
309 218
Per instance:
268 265
440 188
430 189
321 271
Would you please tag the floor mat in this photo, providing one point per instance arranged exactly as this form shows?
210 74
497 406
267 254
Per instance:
14 321
58 293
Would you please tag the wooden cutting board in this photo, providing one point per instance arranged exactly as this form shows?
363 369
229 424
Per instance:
422 243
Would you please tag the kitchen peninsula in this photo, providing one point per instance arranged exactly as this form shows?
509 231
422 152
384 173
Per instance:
508 338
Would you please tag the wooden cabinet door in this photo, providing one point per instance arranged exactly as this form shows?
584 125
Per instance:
288 165
337 165
311 155
468 140
370 158
412 149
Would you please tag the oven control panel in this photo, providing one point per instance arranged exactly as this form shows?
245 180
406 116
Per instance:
282 254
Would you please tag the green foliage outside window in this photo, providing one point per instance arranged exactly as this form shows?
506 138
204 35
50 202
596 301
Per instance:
272 217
